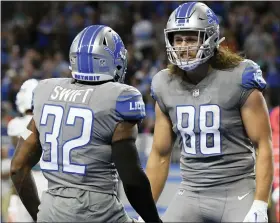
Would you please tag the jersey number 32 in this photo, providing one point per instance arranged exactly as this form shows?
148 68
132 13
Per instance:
52 137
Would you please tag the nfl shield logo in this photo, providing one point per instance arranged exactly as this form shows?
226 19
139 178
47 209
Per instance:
73 59
196 93
180 192
102 62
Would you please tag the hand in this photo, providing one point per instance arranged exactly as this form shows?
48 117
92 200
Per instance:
140 219
257 213
134 220
275 195
137 220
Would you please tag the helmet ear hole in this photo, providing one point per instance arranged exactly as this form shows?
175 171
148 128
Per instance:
119 67
105 43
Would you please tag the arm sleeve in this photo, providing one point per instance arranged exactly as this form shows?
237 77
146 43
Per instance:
130 105
135 182
251 79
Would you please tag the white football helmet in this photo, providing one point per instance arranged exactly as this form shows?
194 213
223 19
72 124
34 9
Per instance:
25 95
198 17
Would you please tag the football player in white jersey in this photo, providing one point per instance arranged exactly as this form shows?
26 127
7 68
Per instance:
23 103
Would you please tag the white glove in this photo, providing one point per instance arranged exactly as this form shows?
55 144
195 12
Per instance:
275 195
137 220
257 213
140 219
134 220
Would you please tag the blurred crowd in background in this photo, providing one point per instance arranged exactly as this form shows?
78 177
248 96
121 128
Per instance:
36 36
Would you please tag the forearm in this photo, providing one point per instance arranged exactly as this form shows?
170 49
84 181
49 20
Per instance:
27 190
157 171
264 172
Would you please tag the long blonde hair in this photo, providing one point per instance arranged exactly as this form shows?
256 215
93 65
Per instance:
223 59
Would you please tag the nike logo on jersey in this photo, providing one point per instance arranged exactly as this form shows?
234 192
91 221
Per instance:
69 95
241 197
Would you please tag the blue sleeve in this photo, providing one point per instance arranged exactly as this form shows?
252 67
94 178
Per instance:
252 77
130 105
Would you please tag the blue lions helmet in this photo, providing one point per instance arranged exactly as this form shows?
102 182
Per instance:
196 17
98 54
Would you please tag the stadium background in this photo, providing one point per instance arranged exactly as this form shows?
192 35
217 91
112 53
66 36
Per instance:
36 36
